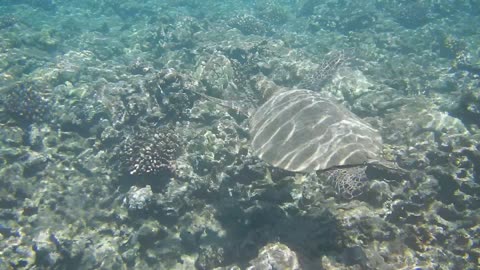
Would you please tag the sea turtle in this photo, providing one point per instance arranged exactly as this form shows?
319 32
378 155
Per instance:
301 130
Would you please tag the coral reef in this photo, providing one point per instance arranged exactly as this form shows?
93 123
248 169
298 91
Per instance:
25 102
111 157
7 21
330 64
349 182
150 151
248 25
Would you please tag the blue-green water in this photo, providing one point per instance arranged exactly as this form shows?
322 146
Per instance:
126 134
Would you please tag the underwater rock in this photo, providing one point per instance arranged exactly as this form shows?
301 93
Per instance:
138 198
214 148
11 136
171 91
110 136
216 73
102 255
140 67
172 35
275 256
468 108
71 68
34 164
46 249
349 84
422 122
354 255
209 258
16 255
149 233
46 39
82 111
450 47
266 88
174 200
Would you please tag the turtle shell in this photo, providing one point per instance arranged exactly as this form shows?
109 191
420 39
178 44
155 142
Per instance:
303 131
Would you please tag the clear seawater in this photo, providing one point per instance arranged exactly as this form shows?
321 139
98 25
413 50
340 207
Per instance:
125 134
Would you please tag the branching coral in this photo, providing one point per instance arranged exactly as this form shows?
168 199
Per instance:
150 152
